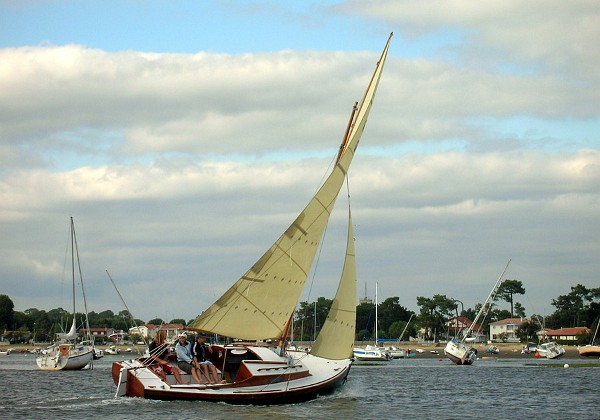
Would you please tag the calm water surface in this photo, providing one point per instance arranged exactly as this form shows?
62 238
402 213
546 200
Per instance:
411 388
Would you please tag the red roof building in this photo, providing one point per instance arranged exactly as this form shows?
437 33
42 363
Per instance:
567 334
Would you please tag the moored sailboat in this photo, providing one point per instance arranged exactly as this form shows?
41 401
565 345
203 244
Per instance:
550 350
458 350
68 353
592 349
374 353
261 303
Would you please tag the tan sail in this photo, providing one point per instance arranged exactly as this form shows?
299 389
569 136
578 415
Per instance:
260 304
336 339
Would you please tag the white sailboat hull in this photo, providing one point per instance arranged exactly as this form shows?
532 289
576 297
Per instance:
460 353
550 350
73 358
263 378
397 353
370 353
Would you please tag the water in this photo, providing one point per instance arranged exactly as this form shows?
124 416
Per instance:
410 388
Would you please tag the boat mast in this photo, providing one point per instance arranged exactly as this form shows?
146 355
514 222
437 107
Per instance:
485 308
73 263
347 133
376 342
405 327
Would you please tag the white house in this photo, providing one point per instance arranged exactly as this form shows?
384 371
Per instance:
141 330
508 326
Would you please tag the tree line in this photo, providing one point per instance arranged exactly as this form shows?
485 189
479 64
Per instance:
579 307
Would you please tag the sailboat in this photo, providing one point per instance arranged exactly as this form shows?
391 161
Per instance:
374 353
591 350
260 306
68 353
458 350
395 351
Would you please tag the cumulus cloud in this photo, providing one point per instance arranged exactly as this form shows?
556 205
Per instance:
182 168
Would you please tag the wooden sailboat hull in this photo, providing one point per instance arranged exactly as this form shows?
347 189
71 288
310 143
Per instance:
589 351
269 380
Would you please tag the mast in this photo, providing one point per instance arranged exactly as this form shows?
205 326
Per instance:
347 133
260 303
485 308
376 336
73 263
405 327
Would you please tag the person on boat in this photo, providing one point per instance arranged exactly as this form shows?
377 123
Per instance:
184 357
159 353
201 352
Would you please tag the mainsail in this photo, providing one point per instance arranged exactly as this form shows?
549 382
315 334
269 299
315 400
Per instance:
260 304
336 338
71 335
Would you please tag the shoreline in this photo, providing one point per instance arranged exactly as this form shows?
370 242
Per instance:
507 351
511 350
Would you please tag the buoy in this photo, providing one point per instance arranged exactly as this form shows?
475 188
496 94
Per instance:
537 355
566 365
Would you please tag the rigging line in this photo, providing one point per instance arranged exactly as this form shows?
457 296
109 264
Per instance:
75 250
126 307
87 322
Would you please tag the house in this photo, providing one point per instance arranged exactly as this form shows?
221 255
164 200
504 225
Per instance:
173 330
142 330
505 329
458 324
117 336
566 334
97 333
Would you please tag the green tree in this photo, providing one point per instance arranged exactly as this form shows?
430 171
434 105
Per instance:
365 317
527 331
156 321
6 313
306 326
388 312
577 308
178 321
398 327
436 311
507 289
519 310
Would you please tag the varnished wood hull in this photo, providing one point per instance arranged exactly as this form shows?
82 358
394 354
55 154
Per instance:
277 381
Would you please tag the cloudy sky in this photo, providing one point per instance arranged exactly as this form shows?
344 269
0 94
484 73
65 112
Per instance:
184 136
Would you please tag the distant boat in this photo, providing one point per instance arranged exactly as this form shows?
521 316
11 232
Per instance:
68 353
112 349
260 305
591 350
395 351
5 352
370 353
374 353
458 350
550 350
